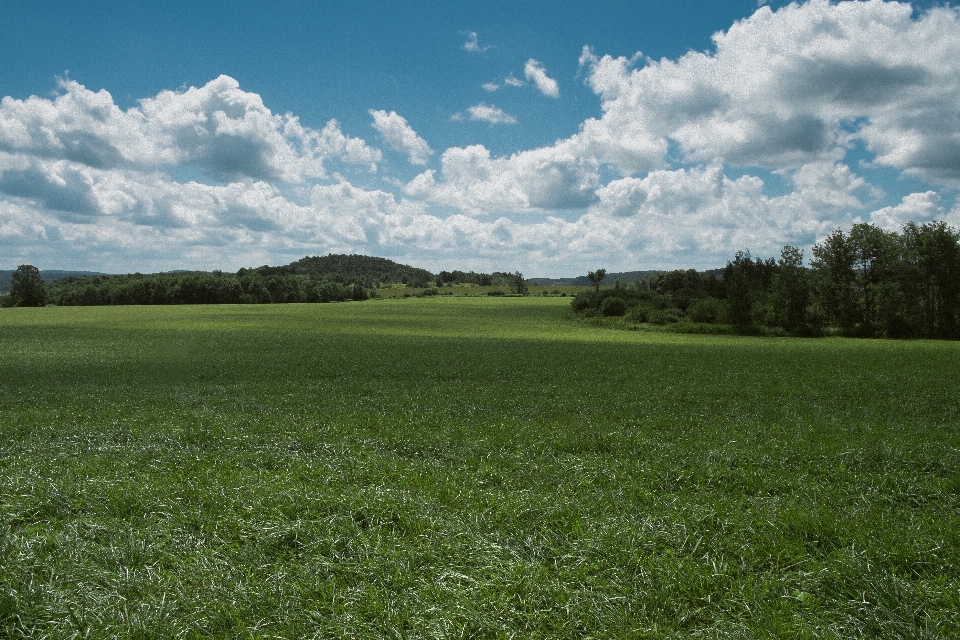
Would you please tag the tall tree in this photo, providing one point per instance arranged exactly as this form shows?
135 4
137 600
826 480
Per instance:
737 276
27 287
518 284
834 281
791 289
873 254
596 277
933 255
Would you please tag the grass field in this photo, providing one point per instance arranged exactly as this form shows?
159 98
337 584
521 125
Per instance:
468 467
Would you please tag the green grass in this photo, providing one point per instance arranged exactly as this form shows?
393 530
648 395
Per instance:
468 467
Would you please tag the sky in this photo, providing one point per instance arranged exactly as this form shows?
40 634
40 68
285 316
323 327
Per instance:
547 138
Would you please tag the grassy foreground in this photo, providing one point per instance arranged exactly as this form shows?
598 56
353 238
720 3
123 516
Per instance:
468 467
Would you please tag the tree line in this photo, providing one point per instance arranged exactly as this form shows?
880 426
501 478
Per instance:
868 282
331 278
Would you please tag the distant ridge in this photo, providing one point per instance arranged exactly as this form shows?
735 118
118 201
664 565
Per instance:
624 277
50 275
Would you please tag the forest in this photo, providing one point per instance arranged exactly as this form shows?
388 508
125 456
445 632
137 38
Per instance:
868 282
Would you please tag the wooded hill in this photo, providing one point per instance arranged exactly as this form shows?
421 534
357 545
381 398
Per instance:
352 268
331 278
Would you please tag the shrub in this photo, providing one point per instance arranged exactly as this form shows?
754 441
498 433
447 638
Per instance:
706 310
638 315
657 316
613 307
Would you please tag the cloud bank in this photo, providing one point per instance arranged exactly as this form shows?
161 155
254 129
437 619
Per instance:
773 137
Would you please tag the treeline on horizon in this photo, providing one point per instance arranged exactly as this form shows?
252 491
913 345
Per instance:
869 283
313 279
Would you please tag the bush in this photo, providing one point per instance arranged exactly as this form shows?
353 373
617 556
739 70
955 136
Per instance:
613 307
705 310
638 315
657 316
665 316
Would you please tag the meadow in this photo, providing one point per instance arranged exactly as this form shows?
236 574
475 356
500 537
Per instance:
468 467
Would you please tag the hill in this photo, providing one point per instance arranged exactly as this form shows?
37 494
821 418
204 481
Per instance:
358 266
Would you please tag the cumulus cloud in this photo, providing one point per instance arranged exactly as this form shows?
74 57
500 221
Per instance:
535 72
219 129
746 146
477 184
399 135
486 113
916 207
789 88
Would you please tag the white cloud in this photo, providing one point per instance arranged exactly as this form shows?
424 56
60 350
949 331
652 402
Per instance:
535 72
490 87
401 136
472 44
547 179
487 113
209 177
218 129
789 88
916 207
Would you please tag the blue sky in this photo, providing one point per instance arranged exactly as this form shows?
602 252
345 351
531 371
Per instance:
545 137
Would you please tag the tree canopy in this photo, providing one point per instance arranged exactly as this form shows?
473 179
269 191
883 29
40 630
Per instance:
868 282
27 288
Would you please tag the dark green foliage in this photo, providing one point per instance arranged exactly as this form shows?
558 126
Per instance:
876 283
791 290
664 299
319 279
708 310
613 306
355 268
27 288
518 285
835 279
200 288
869 283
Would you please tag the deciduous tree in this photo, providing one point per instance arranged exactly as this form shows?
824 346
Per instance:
596 277
27 287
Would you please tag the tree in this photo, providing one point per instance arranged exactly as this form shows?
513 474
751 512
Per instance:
737 277
874 250
933 256
835 278
27 287
596 277
791 291
518 284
